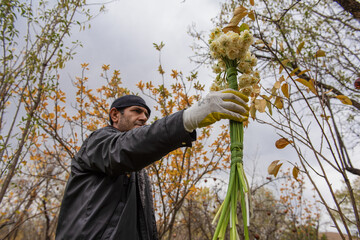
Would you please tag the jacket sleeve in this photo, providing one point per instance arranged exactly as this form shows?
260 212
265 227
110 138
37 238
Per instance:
113 152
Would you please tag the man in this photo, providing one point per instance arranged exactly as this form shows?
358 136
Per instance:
108 194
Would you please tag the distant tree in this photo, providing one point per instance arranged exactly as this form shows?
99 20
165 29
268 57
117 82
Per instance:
32 52
343 197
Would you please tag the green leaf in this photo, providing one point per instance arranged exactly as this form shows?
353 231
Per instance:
244 27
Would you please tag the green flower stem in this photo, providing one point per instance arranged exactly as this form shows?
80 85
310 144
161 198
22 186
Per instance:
234 206
225 207
238 186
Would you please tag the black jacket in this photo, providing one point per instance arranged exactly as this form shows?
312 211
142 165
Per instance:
103 199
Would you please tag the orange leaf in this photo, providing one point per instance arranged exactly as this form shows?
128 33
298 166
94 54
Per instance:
274 168
319 53
295 172
84 65
174 74
252 2
105 67
140 85
193 188
282 143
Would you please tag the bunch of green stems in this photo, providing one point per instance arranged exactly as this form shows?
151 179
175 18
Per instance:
238 185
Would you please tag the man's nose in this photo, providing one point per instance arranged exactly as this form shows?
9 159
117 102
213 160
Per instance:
143 117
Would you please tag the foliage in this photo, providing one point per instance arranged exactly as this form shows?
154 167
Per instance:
32 52
308 56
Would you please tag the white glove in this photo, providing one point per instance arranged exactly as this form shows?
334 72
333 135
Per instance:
225 104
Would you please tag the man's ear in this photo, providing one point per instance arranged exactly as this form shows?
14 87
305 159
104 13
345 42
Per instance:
114 115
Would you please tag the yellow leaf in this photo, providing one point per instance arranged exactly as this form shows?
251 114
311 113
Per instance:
282 78
256 89
328 91
193 188
295 172
293 72
161 70
312 86
300 46
279 103
252 2
285 90
251 15
309 84
239 13
266 97
281 47
302 72
260 105
274 168
282 143
253 111
277 85
344 99
283 63
325 117
320 53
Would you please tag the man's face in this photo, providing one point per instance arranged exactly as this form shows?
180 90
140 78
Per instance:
133 117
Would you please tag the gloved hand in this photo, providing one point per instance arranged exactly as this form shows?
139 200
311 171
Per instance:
225 104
